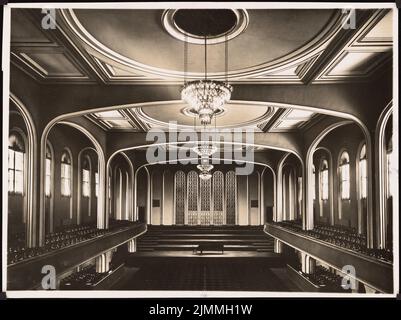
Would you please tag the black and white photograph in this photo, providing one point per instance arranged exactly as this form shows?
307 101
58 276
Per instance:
200 149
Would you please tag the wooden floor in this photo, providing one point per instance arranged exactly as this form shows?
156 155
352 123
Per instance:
206 274
165 261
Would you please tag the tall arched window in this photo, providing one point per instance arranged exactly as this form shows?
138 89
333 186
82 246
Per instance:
109 193
363 173
66 174
48 169
86 173
16 152
231 197
218 198
179 193
345 176
324 180
313 182
96 184
390 161
192 197
127 198
119 198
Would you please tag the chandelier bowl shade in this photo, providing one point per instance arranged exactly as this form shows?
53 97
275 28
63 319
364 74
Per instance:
205 150
206 97
205 175
205 167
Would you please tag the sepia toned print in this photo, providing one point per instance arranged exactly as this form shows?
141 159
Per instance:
168 151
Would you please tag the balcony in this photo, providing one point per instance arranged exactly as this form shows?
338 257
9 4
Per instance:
27 274
371 271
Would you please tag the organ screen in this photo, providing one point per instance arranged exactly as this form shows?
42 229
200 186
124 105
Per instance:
180 191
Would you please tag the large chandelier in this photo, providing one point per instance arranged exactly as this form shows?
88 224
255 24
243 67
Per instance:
205 167
205 150
206 97
205 175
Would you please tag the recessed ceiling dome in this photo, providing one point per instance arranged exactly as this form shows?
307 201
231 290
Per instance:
193 25
260 41
202 23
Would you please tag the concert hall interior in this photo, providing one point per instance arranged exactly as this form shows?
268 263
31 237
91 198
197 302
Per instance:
111 182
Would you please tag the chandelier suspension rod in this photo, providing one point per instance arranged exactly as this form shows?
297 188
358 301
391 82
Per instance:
205 57
226 57
185 58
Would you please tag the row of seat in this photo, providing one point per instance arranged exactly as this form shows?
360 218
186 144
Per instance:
62 238
86 278
327 280
341 236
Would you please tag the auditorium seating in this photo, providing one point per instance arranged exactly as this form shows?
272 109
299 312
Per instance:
188 238
87 278
331 282
63 237
322 279
341 236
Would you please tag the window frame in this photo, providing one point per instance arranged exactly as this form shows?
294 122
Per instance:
96 184
66 180
48 171
345 176
324 185
363 173
389 161
16 168
313 183
85 183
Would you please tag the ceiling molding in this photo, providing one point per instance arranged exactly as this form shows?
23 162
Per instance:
58 42
324 59
298 123
265 126
140 114
264 73
350 42
141 122
109 122
138 123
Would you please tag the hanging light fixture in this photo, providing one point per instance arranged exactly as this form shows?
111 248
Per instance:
205 175
205 167
205 149
206 97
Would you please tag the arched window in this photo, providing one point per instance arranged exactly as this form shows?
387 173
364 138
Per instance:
389 160
86 172
231 197
16 152
324 180
313 182
180 190
119 198
48 169
109 193
66 174
96 184
363 173
344 176
127 200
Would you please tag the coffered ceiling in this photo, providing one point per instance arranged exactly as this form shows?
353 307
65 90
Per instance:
136 47
173 116
115 47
